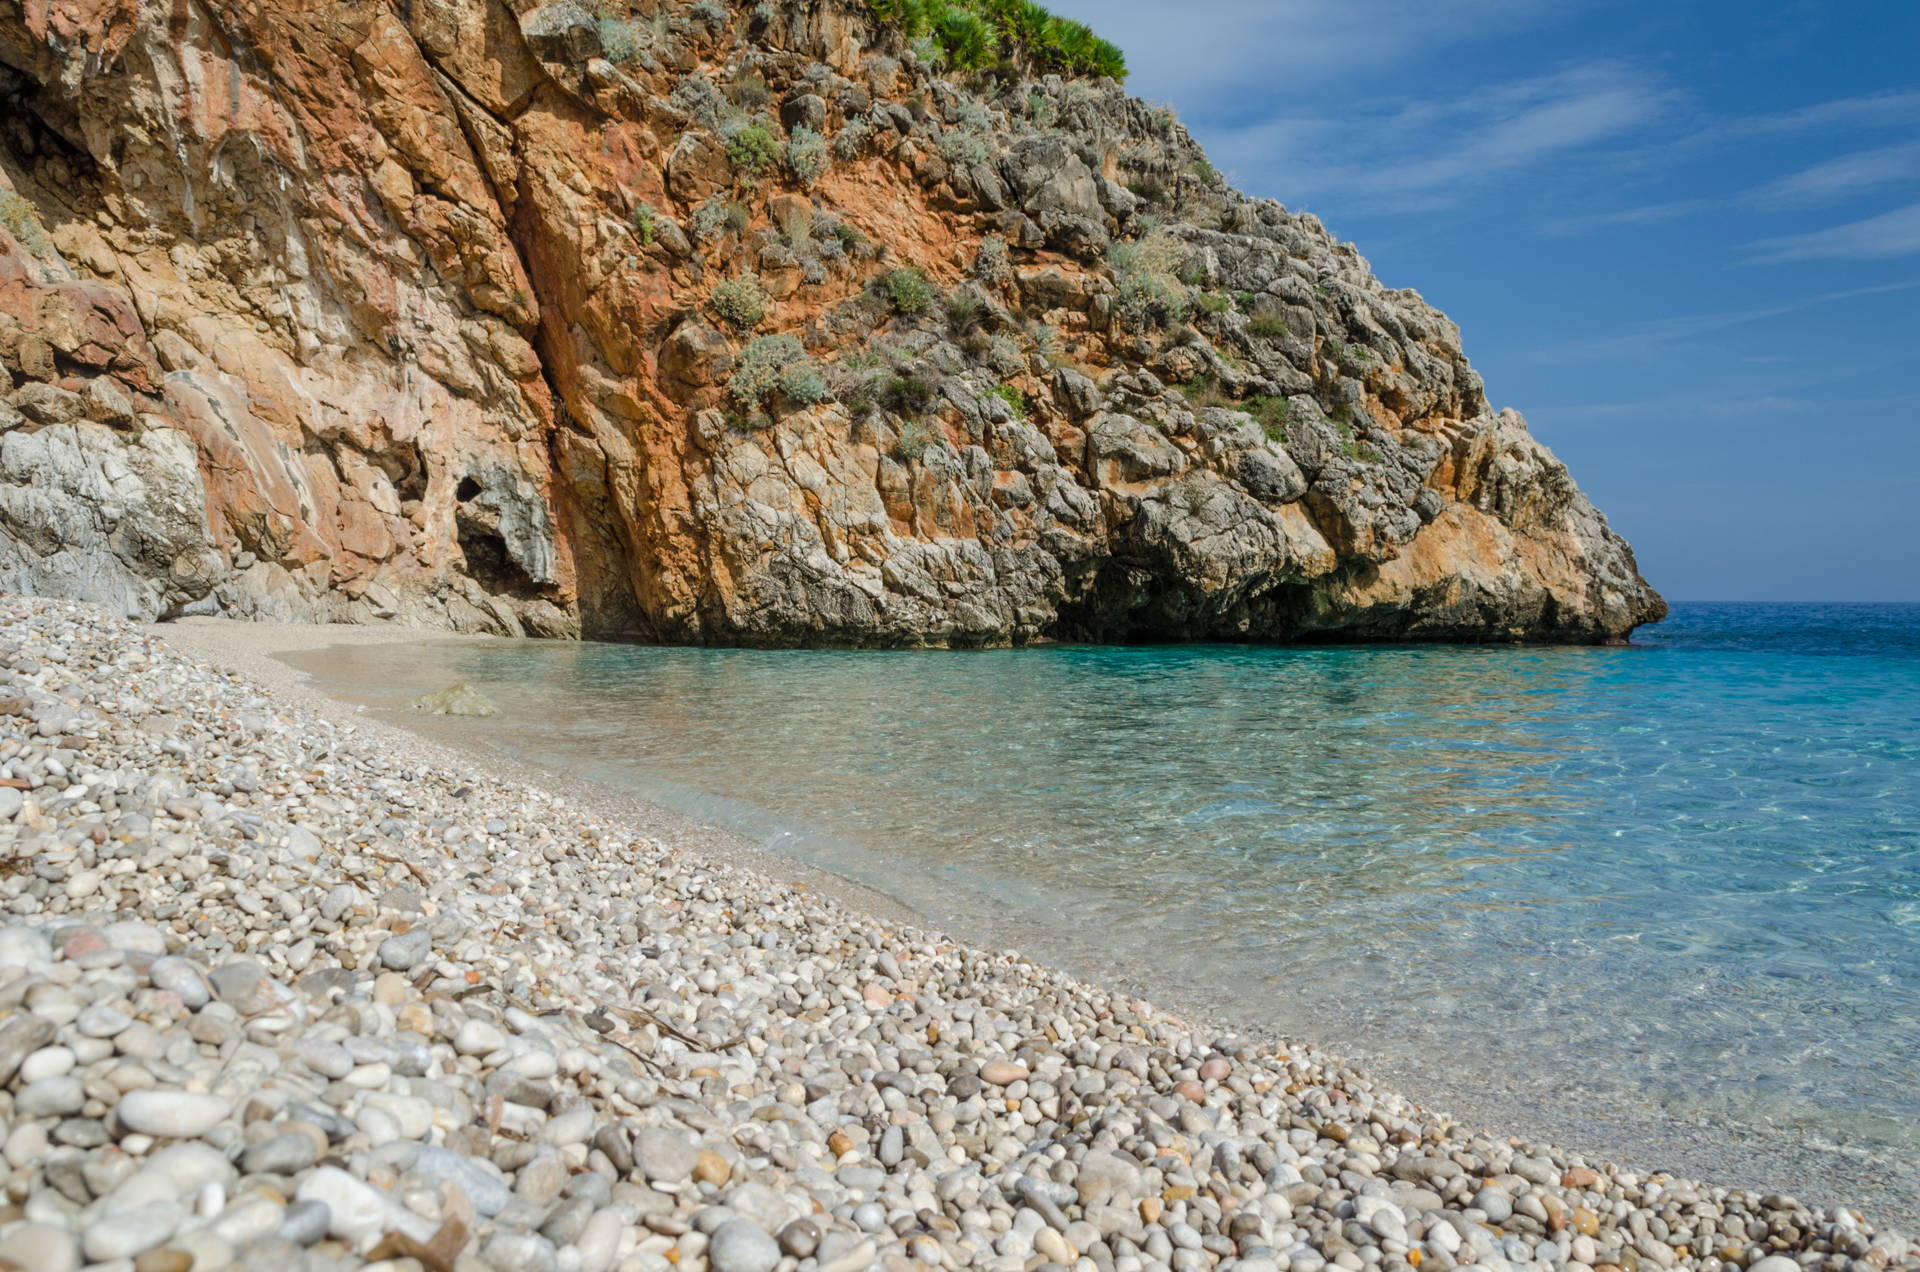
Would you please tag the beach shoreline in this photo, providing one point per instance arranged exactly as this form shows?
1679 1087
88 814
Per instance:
1825 1172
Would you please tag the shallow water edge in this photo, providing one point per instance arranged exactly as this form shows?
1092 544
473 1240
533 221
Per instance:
1462 1083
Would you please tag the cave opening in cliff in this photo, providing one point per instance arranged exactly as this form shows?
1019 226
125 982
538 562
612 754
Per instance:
489 562
1127 604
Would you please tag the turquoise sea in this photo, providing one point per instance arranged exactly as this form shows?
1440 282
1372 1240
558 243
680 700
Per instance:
1663 896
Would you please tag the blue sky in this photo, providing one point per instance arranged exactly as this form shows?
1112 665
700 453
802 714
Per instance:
1682 239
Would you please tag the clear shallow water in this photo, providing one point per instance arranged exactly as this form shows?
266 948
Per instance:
1669 886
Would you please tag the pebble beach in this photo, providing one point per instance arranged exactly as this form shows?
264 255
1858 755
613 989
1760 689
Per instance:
281 992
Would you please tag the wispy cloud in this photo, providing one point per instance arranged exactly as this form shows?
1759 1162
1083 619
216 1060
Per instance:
1650 336
1648 214
1209 57
1434 153
1844 177
1871 110
1889 235
1830 181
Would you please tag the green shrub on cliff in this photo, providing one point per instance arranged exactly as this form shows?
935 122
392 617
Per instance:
776 365
620 38
1150 291
1271 411
916 436
19 219
906 395
1016 400
964 146
741 300
851 141
807 156
970 34
970 42
719 215
991 265
909 291
753 151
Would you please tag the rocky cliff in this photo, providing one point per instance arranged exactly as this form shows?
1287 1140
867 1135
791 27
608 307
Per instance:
691 322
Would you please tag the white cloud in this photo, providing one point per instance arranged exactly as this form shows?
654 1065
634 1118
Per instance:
1648 214
1844 177
1874 110
1830 181
1222 56
1891 234
1432 153
1648 337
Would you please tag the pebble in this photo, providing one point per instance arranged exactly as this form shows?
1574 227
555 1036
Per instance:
356 1211
478 1038
405 952
740 1245
305 1222
487 1193
125 1233
520 1252
1495 1202
171 1114
40 1247
51 1097
167 1259
281 1155
1003 1072
665 1156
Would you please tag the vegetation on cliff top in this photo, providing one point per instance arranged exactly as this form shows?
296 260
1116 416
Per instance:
972 35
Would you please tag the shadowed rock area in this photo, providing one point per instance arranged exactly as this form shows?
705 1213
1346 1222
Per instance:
727 324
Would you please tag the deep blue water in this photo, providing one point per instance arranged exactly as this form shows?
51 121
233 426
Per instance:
1680 879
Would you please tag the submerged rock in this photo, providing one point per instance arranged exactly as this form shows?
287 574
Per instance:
456 700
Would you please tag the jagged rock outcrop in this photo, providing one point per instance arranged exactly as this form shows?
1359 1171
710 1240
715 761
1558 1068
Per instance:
435 313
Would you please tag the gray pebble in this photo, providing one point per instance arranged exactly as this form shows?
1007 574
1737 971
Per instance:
664 1156
405 952
305 1222
740 1245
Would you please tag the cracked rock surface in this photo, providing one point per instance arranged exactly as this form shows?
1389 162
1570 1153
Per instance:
375 314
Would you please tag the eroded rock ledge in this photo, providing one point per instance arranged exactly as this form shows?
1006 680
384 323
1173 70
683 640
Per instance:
362 313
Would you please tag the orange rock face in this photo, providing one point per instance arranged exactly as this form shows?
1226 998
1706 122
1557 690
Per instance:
349 312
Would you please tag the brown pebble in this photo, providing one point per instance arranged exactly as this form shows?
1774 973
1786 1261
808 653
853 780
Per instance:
1585 1222
1335 1132
1580 1177
711 1168
1003 1072
163 1259
1191 1090
1215 1070
841 1143
1151 1208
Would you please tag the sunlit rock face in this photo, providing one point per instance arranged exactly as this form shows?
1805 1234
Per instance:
432 314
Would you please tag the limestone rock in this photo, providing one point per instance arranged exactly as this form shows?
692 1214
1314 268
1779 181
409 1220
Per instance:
412 321
456 700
